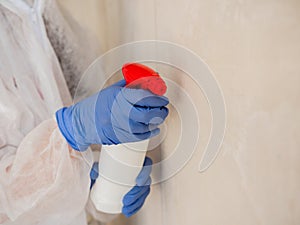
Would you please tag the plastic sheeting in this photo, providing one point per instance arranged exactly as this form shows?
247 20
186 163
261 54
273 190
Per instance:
42 181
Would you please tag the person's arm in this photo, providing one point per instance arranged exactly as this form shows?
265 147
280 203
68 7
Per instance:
43 179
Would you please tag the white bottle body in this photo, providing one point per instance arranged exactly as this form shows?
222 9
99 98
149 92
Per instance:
119 165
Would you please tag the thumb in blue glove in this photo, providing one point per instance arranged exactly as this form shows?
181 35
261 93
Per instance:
112 116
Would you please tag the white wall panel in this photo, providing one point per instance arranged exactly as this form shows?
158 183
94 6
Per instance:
253 48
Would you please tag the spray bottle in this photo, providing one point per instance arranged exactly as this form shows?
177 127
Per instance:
119 165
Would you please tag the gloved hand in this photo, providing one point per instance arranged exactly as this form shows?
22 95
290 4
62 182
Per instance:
114 115
135 198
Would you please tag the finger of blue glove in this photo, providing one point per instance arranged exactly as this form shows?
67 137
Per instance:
94 173
122 111
147 135
143 177
137 188
149 115
132 126
139 128
134 194
144 98
122 135
129 210
143 181
120 83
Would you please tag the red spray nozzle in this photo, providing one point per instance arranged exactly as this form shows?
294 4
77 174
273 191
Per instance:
140 76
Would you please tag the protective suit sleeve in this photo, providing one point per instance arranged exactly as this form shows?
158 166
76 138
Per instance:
43 180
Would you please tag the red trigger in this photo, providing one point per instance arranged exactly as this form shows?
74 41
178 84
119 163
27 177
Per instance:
140 76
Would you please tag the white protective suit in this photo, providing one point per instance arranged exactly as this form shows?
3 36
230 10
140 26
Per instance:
42 180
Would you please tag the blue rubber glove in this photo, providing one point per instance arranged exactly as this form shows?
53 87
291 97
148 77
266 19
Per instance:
135 198
94 174
112 116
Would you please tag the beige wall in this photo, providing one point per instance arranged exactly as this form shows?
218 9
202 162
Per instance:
253 47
